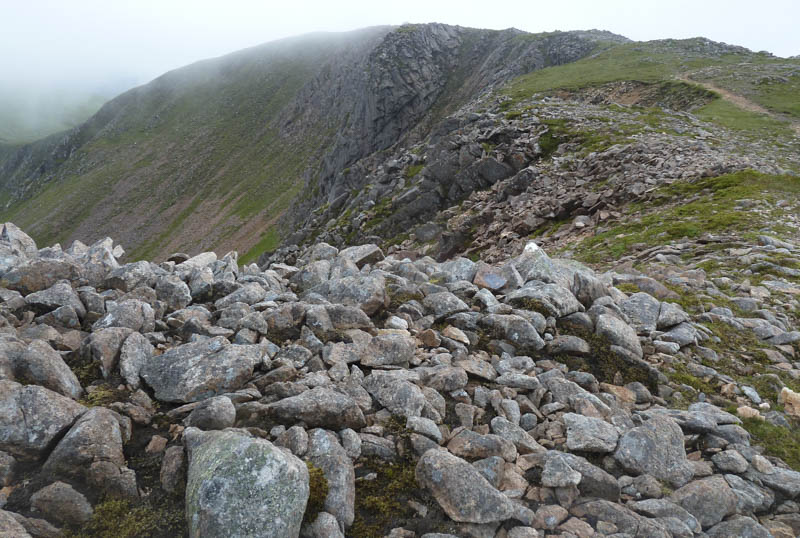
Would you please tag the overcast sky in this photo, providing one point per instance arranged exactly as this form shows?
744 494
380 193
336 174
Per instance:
53 44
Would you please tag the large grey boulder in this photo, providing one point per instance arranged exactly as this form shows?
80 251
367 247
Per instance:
40 274
199 370
57 295
741 527
547 299
709 500
103 347
239 486
132 313
173 291
40 364
130 276
21 243
318 408
665 508
367 292
134 353
92 452
643 311
215 413
444 304
588 434
362 254
389 349
670 315
473 445
399 396
463 492
95 437
618 333
516 329
32 417
251 293
655 448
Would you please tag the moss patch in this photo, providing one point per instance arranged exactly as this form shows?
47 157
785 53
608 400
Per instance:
605 364
383 503
318 492
122 519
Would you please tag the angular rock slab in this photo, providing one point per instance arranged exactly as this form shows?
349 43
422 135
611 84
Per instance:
32 417
95 437
655 448
240 486
318 407
42 365
709 500
200 370
462 491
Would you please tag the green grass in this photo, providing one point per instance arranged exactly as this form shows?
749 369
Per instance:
157 155
269 241
645 62
413 170
731 116
777 441
702 206
782 98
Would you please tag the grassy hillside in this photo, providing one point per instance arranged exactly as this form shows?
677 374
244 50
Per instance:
773 83
195 159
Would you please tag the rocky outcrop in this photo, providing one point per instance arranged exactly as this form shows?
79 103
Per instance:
554 406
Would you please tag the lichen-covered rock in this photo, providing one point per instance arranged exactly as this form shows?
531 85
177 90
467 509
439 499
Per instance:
618 333
325 452
103 347
709 500
42 365
40 274
215 413
32 417
655 448
200 370
241 486
132 313
318 408
95 437
589 434
59 294
400 397
462 491
134 353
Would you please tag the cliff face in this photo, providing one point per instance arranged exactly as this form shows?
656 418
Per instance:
213 154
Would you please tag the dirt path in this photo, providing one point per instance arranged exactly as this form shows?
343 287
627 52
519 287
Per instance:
741 101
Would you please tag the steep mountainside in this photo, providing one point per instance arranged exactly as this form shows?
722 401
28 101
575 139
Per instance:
209 156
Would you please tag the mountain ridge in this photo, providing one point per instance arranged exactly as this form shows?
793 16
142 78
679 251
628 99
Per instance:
27 170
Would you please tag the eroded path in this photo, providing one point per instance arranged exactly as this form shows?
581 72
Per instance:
741 101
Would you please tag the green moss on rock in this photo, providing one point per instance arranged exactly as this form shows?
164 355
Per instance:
318 492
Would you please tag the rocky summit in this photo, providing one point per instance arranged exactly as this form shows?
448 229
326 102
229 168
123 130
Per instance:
496 285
